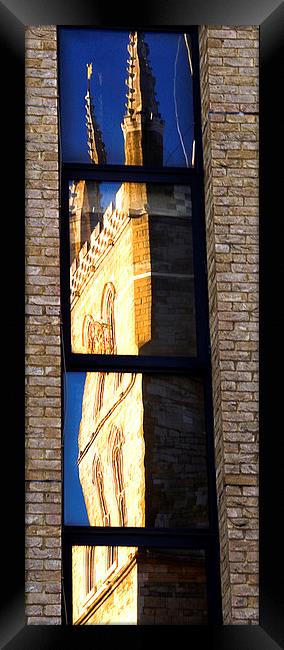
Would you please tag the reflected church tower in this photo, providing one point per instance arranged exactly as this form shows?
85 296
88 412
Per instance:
85 199
142 125
97 151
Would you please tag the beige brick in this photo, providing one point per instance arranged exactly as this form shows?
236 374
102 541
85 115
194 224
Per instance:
43 342
231 200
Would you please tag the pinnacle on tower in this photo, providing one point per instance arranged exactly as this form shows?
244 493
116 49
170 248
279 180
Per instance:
96 146
140 82
142 125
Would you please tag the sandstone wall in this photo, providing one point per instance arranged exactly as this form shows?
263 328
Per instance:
118 269
115 598
123 408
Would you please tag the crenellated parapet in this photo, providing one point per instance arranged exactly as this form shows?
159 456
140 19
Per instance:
93 252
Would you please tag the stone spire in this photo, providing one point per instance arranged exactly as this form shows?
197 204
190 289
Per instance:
85 211
142 125
97 151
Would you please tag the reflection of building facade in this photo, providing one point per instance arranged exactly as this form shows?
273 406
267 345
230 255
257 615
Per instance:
142 448
150 272
141 463
143 586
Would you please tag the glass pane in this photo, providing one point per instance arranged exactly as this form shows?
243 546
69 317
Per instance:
141 586
131 269
135 451
126 98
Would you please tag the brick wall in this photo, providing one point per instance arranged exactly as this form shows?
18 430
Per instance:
171 587
43 379
229 76
144 587
175 451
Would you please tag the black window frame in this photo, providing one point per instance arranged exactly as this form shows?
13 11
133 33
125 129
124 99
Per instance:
199 365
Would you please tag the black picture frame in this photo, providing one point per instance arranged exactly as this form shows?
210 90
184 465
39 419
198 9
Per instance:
269 16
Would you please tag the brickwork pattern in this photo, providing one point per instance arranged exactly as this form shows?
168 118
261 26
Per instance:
144 587
171 588
43 373
175 452
229 77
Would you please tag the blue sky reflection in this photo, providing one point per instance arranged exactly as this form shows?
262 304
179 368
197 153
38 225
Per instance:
107 51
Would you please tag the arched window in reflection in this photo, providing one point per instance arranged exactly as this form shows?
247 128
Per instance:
111 556
117 379
107 315
89 569
116 441
99 396
89 334
98 481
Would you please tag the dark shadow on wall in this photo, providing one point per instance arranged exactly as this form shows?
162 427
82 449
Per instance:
171 266
176 491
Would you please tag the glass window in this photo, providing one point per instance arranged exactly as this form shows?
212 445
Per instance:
132 277
139 479
146 586
141 460
127 98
